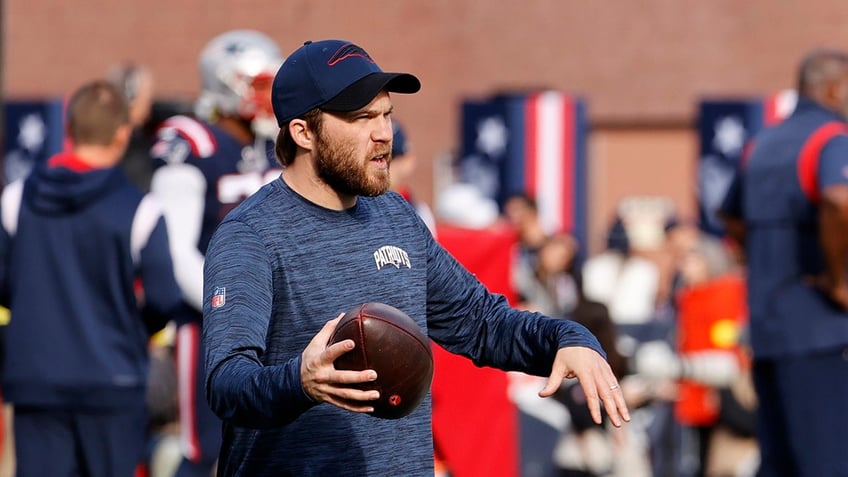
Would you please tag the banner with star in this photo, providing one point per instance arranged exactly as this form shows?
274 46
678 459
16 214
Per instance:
535 144
532 143
725 127
33 131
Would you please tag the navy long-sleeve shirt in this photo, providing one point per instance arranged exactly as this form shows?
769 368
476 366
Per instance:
279 267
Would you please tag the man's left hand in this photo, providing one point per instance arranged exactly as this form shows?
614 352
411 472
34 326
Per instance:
597 379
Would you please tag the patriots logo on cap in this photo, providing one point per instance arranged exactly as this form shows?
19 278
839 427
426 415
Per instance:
219 298
348 51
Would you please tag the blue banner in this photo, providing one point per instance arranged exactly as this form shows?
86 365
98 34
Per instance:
530 143
34 131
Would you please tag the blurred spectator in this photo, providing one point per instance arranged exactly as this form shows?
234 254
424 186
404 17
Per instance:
733 450
76 237
463 205
163 450
7 437
147 113
136 82
403 167
707 356
586 449
790 210
522 214
521 211
204 166
681 237
711 316
622 279
552 286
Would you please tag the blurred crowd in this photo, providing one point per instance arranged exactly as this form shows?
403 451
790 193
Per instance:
665 299
667 302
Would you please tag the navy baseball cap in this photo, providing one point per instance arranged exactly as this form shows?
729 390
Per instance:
334 75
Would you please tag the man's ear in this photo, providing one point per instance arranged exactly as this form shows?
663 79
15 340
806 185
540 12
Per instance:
122 136
836 92
301 134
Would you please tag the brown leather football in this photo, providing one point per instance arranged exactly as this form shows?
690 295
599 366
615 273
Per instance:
391 343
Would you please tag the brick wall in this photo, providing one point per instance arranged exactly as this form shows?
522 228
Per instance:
637 63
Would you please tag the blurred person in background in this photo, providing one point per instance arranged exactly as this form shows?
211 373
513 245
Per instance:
552 287
205 166
136 82
76 237
7 438
521 212
789 209
404 164
707 356
622 279
588 449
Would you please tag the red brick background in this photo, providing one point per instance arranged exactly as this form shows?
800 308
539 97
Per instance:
642 66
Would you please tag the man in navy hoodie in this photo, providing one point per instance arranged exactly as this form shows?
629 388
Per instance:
78 244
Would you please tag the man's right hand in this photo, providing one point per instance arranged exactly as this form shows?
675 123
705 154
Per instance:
322 382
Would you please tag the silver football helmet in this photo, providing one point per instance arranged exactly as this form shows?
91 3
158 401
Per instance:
237 69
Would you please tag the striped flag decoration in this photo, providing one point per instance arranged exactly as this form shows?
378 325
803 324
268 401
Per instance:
532 143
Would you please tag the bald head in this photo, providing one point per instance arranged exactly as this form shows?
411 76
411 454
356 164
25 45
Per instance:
822 72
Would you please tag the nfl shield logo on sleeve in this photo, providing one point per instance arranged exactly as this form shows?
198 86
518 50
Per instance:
219 297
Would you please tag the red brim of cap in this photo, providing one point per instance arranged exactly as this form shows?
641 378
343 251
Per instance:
364 90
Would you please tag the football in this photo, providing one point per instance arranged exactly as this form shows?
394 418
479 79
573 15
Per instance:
391 343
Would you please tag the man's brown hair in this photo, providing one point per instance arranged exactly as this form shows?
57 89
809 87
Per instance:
95 112
286 148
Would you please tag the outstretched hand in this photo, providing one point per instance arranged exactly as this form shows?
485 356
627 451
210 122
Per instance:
595 376
322 382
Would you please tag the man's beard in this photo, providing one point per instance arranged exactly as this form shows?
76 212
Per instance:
337 166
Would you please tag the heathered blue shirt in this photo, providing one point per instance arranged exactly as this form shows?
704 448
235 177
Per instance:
279 267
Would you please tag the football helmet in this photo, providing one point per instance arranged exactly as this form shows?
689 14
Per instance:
237 70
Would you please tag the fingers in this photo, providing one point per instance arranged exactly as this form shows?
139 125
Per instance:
328 329
599 384
332 352
559 371
353 399
602 388
351 405
324 383
347 390
551 385
357 395
614 404
592 400
598 391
